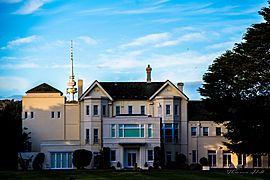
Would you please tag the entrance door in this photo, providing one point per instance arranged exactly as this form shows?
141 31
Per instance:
131 159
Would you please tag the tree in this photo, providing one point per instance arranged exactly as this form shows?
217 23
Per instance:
105 162
25 145
237 90
38 161
11 123
81 158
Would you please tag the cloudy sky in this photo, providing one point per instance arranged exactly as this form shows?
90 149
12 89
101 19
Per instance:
115 40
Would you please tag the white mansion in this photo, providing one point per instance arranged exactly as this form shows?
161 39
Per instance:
131 118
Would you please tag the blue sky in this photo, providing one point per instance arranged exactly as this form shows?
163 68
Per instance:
115 40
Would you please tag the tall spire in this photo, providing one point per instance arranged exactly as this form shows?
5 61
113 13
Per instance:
71 60
71 90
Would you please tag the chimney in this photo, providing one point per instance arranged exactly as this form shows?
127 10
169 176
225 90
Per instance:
180 86
148 72
80 87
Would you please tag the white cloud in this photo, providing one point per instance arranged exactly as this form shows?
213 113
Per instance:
30 6
13 83
148 39
161 2
20 41
10 1
167 20
88 40
184 38
223 45
19 66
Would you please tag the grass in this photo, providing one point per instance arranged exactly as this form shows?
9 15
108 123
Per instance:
155 174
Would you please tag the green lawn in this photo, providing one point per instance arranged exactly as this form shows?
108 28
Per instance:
109 174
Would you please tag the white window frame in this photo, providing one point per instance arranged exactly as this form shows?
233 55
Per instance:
61 160
113 150
169 109
113 127
95 110
152 155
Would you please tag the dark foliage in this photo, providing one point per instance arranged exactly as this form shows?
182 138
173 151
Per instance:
180 160
237 90
38 161
195 167
105 162
159 157
11 123
24 162
118 164
81 158
204 161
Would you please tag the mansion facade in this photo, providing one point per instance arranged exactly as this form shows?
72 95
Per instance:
130 118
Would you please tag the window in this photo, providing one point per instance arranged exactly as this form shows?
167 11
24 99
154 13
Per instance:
131 130
168 109
104 110
87 109
175 134
25 115
218 131
257 161
87 136
58 114
117 110
129 109
52 114
205 131
241 159
176 110
95 136
95 110
113 155
150 130
194 156
169 156
150 155
142 110
227 160
32 115
61 160
170 132
212 158
193 131
113 130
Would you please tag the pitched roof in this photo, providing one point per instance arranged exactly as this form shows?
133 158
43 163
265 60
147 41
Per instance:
44 88
131 90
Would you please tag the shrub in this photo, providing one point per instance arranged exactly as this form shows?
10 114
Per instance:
105 162
38 161
158 160
204 161
81 158
118 164
195 167
24 163
180 160
145 164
